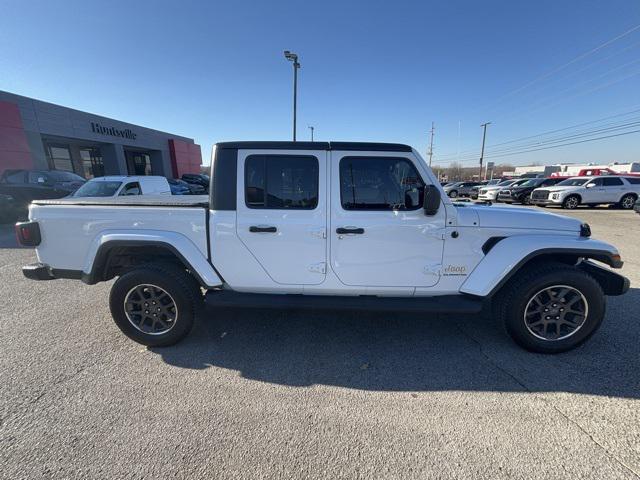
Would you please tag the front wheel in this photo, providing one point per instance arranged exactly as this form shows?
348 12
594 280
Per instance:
553 308
453 194
155 305
571 202
628 201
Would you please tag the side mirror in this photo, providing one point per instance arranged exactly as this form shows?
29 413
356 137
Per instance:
432 200
590 185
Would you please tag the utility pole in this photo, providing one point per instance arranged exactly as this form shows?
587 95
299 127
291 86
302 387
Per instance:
484 136
430 152
311 128
292 57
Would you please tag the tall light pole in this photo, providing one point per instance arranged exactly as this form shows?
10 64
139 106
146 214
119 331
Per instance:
312 128
430 152
292 57
484 136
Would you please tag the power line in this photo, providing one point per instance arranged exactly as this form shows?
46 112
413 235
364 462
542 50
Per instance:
570 62
520 151
466 153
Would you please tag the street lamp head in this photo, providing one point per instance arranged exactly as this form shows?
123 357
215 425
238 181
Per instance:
292 57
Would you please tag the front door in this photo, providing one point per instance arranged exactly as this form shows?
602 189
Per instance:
380 236
594 191
282 212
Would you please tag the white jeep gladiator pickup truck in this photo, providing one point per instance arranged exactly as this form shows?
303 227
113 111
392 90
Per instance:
337 225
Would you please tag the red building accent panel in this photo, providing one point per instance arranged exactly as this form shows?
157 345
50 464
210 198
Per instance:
185 157
14 148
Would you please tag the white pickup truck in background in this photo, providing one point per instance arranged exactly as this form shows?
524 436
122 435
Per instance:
118 185
337 225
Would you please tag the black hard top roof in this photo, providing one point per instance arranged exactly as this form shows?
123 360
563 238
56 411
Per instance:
363 146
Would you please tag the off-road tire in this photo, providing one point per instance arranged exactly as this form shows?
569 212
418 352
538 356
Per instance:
183 289
515 297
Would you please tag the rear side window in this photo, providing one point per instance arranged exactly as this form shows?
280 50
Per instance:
15 177
633 180
380 183
281 182
612 182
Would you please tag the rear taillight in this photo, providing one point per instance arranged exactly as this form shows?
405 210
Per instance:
28 234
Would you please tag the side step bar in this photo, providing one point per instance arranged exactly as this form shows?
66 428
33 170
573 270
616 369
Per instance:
439 304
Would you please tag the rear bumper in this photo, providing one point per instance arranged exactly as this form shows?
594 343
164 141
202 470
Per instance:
42 271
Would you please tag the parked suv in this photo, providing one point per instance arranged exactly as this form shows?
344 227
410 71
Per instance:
198 179
489 193
23 186
522 193
592 191
460 189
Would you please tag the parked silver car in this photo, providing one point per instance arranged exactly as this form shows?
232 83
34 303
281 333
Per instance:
460 189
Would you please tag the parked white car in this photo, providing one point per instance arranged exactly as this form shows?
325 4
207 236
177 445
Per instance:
116 186
490 192
571 193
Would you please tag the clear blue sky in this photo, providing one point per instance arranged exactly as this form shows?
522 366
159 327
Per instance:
371 70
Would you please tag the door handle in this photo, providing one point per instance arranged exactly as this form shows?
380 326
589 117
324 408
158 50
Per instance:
258 229
348 230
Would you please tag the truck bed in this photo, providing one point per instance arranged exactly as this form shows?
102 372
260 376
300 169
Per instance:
132 201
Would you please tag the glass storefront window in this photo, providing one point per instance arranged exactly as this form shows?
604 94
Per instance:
138 163
92 164
59 157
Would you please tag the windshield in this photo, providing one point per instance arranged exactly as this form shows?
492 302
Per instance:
506 183
98 189
59 176
531 183
573 182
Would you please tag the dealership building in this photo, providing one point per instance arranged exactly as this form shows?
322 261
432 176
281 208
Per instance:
38 135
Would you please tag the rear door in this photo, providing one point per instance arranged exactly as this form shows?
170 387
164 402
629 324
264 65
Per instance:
282 212
614 187
380 235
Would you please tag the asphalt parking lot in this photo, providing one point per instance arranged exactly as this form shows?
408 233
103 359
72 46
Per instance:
312 395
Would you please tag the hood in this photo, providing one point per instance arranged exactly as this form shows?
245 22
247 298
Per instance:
556 188
525 218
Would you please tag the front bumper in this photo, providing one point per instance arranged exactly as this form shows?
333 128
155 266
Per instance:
42 271
488 197
546 201
612 283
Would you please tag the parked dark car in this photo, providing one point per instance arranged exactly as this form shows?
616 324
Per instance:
197 179
180 187
522 193
9 211
636 206
27 185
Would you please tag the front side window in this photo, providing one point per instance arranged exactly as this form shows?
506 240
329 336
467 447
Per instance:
132 188
596 182
380 183
281 182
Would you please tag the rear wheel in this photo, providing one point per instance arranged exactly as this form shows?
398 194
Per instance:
553 308
571 202
627 201
155 305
